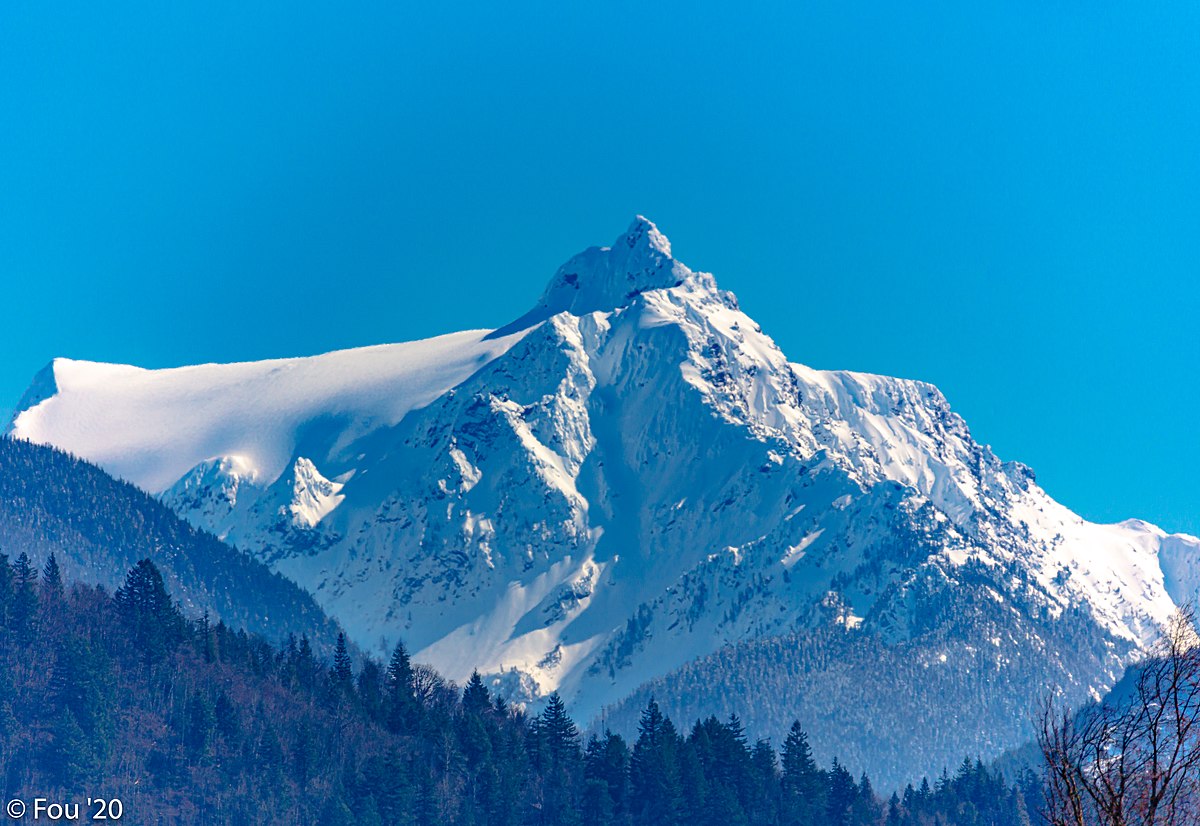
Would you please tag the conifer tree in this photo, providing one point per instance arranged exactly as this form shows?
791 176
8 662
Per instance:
306 665
146 610
842 795
763 806
512 768
558 732
206 639
866 809
401 707
25 598
605 797
559 761
341 675
474 733
803 783
923 799
893 812
6 590
52 583
475 700
370 690
656 794
695 756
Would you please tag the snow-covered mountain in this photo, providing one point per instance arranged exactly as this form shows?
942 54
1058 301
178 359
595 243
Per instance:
626 479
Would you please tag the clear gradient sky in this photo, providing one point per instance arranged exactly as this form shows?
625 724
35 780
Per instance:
1003 199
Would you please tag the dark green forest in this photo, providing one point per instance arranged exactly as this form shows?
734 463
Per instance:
98 527
192 722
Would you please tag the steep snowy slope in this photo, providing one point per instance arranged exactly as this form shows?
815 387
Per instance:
619 483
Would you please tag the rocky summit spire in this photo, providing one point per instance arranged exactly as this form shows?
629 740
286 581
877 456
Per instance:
605 278
643 233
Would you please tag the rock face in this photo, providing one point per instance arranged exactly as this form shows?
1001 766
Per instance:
624 481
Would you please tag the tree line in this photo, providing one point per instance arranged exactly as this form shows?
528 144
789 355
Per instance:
190 721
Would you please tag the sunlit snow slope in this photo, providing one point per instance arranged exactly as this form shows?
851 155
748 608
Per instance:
152 426
626 479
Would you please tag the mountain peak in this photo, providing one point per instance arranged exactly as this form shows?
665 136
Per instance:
643 233
606 278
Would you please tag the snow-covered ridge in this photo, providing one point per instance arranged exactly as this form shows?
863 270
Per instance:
151 427
623 480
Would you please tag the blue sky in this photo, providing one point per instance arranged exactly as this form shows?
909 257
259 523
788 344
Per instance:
1001 200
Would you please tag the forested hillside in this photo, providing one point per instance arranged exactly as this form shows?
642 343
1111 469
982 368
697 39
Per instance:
99 527
968 675
188 722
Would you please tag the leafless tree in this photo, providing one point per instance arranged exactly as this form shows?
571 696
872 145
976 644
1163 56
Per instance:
1133 759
